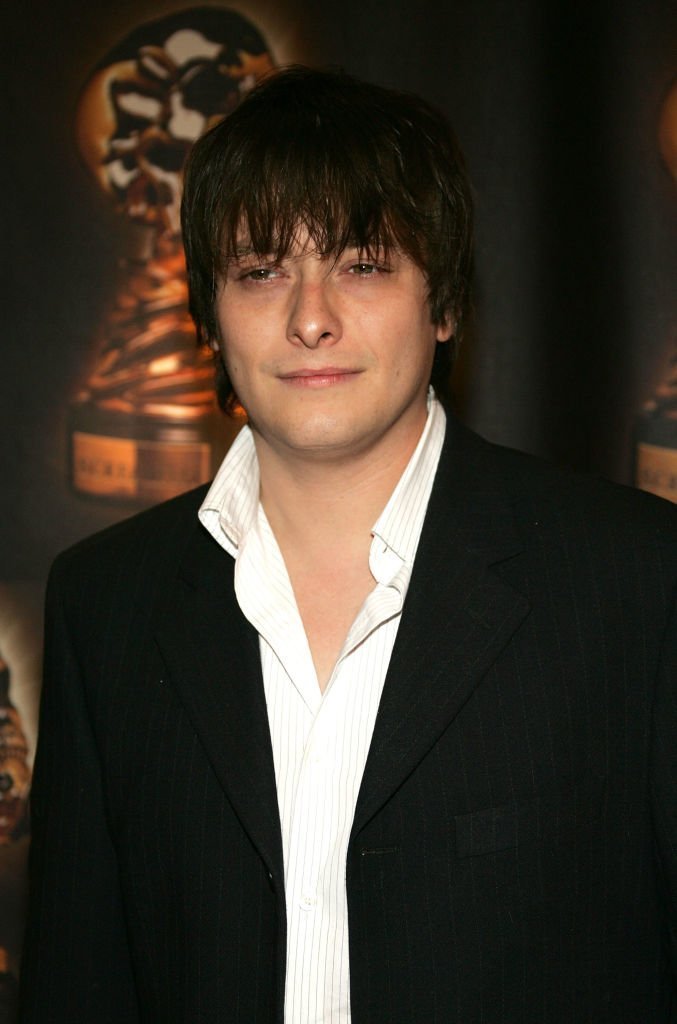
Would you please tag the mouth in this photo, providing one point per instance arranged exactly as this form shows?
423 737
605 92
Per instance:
319 377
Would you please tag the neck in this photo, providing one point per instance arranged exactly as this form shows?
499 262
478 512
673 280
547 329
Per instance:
321 505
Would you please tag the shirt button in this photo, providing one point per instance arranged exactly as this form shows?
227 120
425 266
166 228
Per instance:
307 902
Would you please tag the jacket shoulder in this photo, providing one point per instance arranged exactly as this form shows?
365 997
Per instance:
543 492
604 508
152 538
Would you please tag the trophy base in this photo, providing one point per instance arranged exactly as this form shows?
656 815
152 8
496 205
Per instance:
142 460
657 470
656 455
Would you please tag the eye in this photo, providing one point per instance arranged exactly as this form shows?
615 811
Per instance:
365 269
258 274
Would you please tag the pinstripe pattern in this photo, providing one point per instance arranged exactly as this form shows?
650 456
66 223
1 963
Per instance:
320 743
513 853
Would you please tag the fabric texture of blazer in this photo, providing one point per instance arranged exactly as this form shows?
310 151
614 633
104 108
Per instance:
513 858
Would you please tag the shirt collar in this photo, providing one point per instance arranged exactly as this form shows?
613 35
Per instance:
399 525
230 508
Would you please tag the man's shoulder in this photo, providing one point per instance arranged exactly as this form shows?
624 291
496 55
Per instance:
540 491
600 501
156 536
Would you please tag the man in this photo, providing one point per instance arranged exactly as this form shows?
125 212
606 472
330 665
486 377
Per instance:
379 728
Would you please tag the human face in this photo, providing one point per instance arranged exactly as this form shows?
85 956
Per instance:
330 356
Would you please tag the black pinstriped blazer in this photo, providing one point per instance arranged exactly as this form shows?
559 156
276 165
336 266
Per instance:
513 858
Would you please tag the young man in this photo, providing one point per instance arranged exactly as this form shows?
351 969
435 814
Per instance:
379 728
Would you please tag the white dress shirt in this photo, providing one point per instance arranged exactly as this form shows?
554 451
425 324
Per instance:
320 741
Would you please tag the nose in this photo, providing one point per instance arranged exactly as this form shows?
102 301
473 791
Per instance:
313 320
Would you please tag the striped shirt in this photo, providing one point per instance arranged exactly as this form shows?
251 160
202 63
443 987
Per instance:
320 741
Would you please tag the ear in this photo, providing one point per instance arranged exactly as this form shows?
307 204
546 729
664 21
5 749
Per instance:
445 329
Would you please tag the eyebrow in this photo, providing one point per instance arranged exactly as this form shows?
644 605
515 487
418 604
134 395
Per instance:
243 249
243 253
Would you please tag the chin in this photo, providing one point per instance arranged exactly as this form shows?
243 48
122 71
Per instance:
319 431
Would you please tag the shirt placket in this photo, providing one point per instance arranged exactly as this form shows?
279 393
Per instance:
311 837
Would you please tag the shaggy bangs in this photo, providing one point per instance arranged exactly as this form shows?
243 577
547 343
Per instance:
316 186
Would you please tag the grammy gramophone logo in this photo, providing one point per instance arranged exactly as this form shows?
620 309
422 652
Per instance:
144 425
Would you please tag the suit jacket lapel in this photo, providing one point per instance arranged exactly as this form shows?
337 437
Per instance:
212 654
458 615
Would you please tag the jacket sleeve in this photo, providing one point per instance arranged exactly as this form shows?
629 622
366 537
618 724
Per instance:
76 967
664 786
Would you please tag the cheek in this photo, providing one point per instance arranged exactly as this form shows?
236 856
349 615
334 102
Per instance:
233 350
235 367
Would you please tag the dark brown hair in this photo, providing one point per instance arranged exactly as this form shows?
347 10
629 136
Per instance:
353 163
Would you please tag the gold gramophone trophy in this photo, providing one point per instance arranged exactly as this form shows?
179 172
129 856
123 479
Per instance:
15 775
656 449
144 425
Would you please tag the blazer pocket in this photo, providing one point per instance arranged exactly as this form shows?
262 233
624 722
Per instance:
553 818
